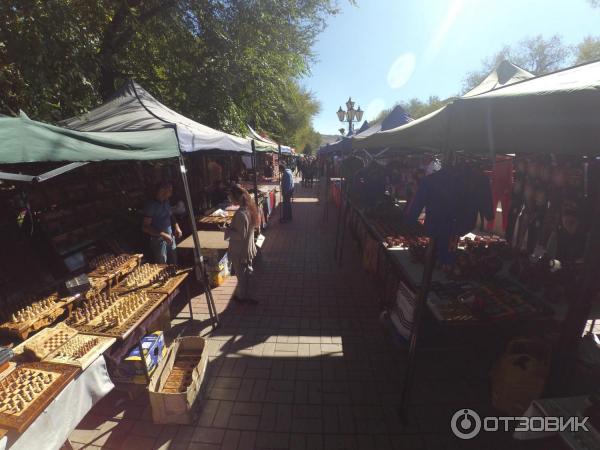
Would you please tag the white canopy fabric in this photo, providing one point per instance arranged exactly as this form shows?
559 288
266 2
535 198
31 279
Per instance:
265 145
555 113
132 108
505 74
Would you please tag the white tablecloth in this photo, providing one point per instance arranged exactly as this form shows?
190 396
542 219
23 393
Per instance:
53 427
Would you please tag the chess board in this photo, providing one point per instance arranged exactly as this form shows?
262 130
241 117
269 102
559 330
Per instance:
81 350
159 278
168 286
32 314
48 340
115 315
109 266
181 373
28 390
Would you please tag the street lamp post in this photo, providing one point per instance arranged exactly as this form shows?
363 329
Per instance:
351 115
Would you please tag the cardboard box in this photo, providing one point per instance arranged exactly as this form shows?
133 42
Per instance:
131 369
177 407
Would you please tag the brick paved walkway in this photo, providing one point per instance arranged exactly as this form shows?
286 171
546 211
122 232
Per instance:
308 368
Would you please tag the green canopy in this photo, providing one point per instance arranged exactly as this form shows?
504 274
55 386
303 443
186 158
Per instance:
555 113
23 140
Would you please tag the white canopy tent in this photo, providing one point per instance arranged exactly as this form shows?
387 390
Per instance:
559 113
132 108
505 74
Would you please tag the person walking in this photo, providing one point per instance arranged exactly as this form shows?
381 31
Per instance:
242 248
287 191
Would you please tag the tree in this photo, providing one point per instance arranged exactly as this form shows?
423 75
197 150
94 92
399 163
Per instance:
221 62
414 107
535 54
588 50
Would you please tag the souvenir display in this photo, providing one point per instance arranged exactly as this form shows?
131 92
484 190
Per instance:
114 315
181 373
32 313
81 350
48 340
28 390
111 266
153 278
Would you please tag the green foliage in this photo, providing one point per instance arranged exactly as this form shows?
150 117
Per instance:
588 50
224 63
414 107
537 55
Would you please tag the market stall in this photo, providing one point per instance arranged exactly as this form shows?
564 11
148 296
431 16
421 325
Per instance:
96 311
549 123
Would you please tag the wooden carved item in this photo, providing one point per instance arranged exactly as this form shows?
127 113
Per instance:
31 314
81 350
159 278
181 374
28 390
115 315
48 340
108 266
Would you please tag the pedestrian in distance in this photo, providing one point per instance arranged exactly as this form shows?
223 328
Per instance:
287 192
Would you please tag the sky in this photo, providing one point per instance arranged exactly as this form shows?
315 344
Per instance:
382 52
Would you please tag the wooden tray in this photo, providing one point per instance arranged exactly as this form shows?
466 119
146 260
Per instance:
171 284
67 354
181 373
13 385
48 340
125 267
167 287
124 329
24 328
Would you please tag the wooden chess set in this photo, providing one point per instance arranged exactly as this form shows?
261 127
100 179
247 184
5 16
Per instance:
159 278
115 314
81 350
181 373
26 391
109 266
48 340
33 313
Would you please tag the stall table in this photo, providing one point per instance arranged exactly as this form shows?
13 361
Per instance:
52 427
214 240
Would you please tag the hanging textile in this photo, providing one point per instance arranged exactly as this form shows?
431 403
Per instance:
501 178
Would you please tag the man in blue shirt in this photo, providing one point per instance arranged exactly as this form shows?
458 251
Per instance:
287 191
159 223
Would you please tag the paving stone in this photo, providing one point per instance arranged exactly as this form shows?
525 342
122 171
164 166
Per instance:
284 418
208 435
223 413
247 440
239 422
268 418
272 440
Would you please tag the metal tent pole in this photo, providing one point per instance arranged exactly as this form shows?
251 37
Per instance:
339 220
279 163
255 172
414 335
421 300
199 266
